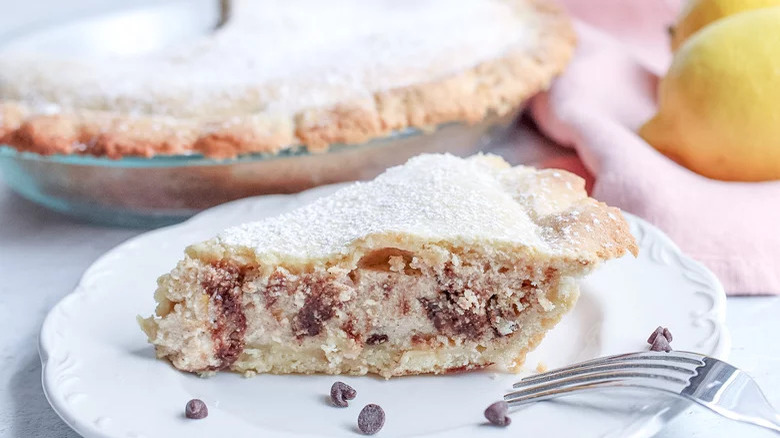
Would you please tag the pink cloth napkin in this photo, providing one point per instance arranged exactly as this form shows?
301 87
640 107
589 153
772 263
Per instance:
596 106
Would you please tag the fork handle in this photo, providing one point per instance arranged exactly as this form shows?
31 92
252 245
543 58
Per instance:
767 420
774 423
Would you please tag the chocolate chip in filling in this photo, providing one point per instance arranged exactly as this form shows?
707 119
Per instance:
376 339
319 306
223 285
450 320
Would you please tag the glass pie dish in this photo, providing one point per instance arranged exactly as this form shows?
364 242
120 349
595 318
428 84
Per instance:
149 192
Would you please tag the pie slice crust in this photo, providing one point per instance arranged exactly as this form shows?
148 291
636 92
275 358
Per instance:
274 79
439 265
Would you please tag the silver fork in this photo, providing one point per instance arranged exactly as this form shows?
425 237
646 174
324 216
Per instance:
707 381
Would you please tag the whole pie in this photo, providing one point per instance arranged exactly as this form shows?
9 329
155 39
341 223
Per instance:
284 74
441 264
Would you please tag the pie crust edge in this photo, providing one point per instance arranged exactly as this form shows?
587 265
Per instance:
459 97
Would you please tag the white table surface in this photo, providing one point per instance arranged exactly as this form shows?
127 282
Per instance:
43 254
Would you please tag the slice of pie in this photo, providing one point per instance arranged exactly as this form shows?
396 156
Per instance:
441 264
285 74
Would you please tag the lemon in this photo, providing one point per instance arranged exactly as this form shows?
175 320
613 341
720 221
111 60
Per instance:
699 13
719 105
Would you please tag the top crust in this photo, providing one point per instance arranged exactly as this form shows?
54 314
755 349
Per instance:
480 204
497 85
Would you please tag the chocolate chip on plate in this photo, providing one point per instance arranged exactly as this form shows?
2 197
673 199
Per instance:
196 409
667 334
340 392
371 419
496 413
660 339
660 343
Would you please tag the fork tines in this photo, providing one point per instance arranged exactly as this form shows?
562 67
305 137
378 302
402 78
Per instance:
657 370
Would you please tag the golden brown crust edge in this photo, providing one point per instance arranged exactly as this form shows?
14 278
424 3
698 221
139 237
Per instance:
589 230
461 97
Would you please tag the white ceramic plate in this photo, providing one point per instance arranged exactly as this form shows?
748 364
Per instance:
101 376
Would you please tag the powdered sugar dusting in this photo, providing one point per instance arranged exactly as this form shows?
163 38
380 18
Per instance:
280 56
432 197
